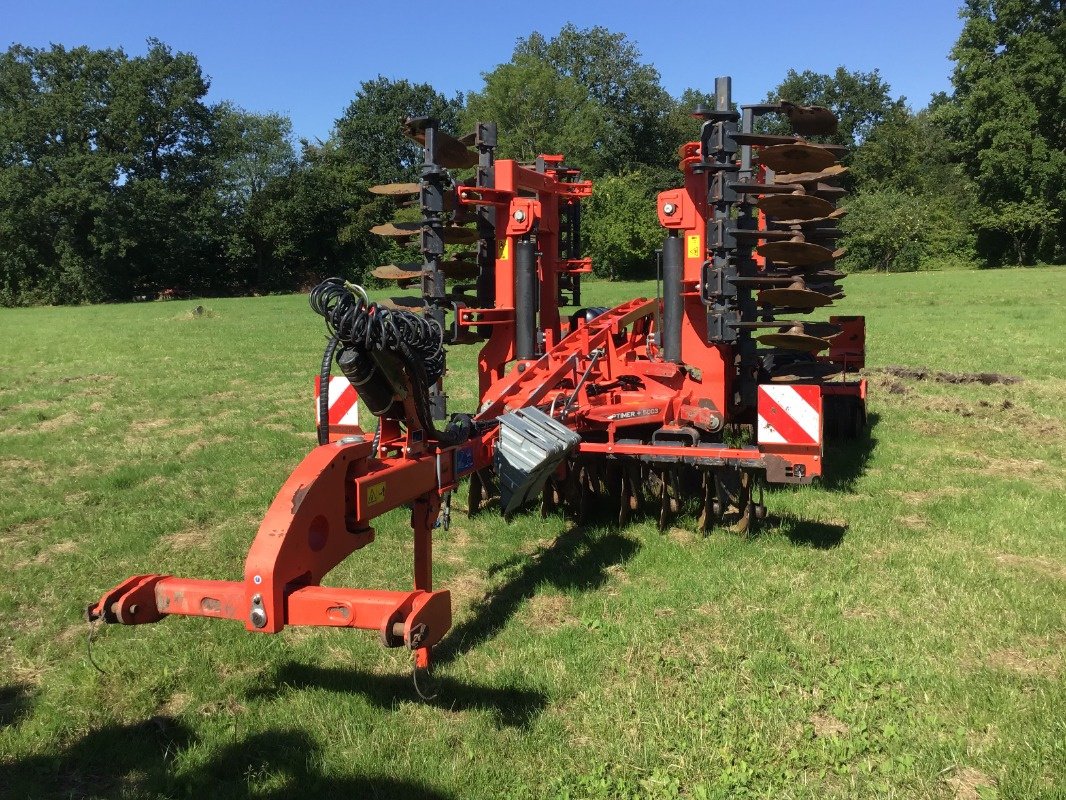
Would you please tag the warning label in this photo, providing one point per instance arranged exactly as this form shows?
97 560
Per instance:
693 243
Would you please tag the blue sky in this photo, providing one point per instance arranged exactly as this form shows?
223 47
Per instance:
306 59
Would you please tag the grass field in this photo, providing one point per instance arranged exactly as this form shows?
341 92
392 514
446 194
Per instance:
897 631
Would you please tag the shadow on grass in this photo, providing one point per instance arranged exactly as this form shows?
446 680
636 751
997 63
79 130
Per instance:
140 761
512 707
16 702
845 461
576 560
819 535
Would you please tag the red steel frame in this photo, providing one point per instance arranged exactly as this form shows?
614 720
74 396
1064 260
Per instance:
322 513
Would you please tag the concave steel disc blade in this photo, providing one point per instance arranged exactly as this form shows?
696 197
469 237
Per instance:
823 330
794 206
810 120
796 158
795 253
395 189
794 298
764 139
827 174
408 272
397 230
793 373
413 304
794 341
451 153
772 236
837 214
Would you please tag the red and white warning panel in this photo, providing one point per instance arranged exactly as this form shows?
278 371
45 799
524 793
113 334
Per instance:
343 404
790 415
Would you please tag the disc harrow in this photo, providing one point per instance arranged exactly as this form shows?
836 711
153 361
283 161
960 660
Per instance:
679 408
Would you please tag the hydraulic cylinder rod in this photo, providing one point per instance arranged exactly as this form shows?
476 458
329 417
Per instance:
526 289
673 302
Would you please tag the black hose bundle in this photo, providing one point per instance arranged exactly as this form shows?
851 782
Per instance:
370 336
360 324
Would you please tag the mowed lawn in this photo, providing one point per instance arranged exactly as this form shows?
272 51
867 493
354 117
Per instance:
896 631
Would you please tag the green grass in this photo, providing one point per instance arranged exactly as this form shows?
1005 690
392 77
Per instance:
898 631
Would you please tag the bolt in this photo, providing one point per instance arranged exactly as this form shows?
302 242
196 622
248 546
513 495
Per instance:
258 617
669 209
133 610
519 215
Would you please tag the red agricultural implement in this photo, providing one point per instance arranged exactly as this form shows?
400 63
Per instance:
703 394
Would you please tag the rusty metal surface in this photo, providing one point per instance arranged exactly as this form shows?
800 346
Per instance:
800 157
794 341
794 298
395 189
810 120
825 175
411 272
794 206
795 253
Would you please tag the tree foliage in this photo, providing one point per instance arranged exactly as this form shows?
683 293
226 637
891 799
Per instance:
860 100
105 173
622 227
118 178
632 125
1009 107
369 132
539 111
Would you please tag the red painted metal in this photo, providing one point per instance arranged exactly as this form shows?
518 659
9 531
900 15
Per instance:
604 378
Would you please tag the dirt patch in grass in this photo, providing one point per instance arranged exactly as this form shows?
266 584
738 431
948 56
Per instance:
618 573
20 531
681 535
199 538
1054 569
826 725
1026 469
45 556
860 612
921 374
549 611
1015 660
466 588
966 783
55 423
200 312
916 522
145 425
102 377
200 444
15 464
175 704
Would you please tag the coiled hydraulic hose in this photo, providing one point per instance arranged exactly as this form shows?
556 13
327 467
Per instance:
362 328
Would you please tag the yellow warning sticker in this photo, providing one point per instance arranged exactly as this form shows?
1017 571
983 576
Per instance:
375 494
502 249
693 243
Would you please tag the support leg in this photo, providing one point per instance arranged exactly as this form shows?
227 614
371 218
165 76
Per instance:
423 516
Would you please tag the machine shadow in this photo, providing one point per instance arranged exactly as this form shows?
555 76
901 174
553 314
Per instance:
16 702
817 535
576 560
845 461
510 707
138 760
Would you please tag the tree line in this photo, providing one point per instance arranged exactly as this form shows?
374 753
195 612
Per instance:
119 180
